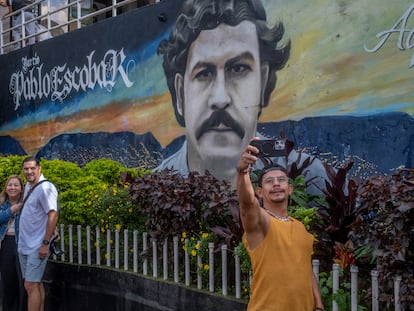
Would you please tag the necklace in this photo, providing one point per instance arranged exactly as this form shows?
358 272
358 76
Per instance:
282 218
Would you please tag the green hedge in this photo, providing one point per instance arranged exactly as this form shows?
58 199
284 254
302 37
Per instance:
91 195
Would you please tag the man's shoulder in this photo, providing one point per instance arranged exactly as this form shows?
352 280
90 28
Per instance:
176 161
46 184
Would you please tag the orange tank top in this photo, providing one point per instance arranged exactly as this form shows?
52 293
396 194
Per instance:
282 268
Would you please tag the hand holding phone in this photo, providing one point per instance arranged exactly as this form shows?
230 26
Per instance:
270 148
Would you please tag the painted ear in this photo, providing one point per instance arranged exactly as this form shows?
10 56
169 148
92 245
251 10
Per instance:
179 91
264 75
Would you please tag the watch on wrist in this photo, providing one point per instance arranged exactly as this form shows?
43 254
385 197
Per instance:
45 242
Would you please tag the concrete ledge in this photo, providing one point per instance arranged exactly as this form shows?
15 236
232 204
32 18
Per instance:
79 287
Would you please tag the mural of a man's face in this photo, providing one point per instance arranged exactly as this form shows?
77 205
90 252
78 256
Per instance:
220 94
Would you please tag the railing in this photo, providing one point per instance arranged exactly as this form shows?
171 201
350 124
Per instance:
136 252
43 22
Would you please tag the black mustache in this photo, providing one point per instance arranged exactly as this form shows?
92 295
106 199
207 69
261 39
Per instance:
220 117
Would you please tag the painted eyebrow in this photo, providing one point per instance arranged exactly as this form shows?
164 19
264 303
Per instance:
243 56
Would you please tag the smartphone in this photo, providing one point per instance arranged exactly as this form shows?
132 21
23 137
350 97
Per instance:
270 148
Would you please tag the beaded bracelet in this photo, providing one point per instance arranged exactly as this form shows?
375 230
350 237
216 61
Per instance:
242 171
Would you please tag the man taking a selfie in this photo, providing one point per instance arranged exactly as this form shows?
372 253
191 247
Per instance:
279 246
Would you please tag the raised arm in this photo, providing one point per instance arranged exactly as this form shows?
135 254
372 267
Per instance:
254 220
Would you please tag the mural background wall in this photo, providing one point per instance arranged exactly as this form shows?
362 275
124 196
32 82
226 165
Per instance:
346 92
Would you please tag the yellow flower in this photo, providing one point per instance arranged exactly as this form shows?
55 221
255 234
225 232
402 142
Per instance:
197 246
118 226
204 235
106 256
184 235
206 267
193 253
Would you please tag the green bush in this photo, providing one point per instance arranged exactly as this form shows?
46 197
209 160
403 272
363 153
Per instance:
114 209
82 200
342 296
10 165
61 173
106 170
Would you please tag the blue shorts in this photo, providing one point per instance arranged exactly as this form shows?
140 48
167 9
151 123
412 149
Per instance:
32 267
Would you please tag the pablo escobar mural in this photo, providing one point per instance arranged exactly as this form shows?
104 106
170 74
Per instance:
187 84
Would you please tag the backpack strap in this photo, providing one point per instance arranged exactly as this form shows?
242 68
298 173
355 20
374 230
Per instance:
30 192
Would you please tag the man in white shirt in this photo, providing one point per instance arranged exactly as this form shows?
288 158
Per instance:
36 227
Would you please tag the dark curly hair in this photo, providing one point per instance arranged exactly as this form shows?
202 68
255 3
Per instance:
198 15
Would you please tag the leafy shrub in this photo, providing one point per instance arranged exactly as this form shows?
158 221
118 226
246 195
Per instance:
245 268
114 209
10 165
174 204
80 189
107 170
385 222
197 246
342 296
337 212
77 203
300 205
61 173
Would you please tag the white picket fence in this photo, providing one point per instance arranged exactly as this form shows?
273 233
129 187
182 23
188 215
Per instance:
138 250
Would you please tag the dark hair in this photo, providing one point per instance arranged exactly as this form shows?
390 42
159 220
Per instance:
32 158
198 15
267 169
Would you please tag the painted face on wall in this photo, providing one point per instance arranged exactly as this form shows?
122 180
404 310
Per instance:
220 93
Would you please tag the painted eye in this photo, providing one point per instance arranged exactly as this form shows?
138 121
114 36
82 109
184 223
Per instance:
240 68
203 74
